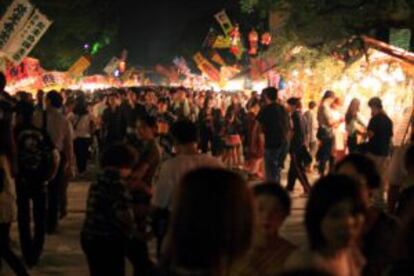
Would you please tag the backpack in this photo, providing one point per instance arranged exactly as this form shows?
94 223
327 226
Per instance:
35 154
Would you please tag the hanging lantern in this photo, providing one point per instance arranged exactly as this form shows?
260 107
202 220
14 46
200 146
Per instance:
253 41
122 66
266 39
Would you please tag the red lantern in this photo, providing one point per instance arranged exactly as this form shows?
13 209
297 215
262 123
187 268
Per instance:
266 39
253 41
235 41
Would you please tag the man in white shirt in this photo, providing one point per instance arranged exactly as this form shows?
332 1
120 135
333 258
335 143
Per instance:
172 171
188 158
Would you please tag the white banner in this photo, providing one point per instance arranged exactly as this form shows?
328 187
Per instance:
28 37
112 65
13 20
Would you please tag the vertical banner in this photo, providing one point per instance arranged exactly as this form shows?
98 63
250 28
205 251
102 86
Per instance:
111 66
28 37
13 20
215 56
210 38
224 22
79 66
206 67
181 64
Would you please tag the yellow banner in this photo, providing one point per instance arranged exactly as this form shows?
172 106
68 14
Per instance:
222 42
217 58
79 66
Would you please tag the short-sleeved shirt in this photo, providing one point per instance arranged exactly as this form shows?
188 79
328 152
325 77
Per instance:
275 123
382 128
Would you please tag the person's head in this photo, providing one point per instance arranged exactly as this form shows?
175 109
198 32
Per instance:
146 127
80 106
409 160
2 82
363 170
212 219
270 94
328 97
375 104
293 104
162 105
334 214
119 157
184 132
254 106
208 102
312 105
40 97
112 100
54 99
132 96
24 112
272 206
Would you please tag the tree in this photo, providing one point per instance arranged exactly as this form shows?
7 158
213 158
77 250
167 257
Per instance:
75 23
324 24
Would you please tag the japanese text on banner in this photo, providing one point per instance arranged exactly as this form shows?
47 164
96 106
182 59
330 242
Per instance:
13 20
28 37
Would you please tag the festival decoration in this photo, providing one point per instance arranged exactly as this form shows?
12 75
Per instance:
27 38
266 39
224 22
222 42
79 66
215 56
236 47
13 21
206 67
111 66
253 42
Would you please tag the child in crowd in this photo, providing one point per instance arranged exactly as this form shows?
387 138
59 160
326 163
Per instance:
269 251
109 222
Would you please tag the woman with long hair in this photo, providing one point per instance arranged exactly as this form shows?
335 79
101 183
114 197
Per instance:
354 125
334 220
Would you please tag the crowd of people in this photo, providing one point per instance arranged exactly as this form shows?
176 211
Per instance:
177 166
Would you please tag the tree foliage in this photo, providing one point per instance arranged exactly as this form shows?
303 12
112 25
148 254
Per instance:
319 26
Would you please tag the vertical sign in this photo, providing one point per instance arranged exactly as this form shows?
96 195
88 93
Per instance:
13 20
27 38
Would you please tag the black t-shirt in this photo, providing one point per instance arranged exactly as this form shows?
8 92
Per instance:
382 127
274 120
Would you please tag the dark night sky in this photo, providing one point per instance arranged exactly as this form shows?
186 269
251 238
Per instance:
155 31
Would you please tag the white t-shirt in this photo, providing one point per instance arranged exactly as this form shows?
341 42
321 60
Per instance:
171 172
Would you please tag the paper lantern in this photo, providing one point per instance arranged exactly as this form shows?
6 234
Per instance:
266 39
253 41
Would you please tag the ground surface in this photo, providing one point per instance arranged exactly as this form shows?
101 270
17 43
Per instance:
63 256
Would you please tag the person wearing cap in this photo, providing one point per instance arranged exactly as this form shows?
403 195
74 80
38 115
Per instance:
380 132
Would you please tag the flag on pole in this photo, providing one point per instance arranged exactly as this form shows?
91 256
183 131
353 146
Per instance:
26 39
79 66
206 67
215 56
13 21
210 38
224 22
